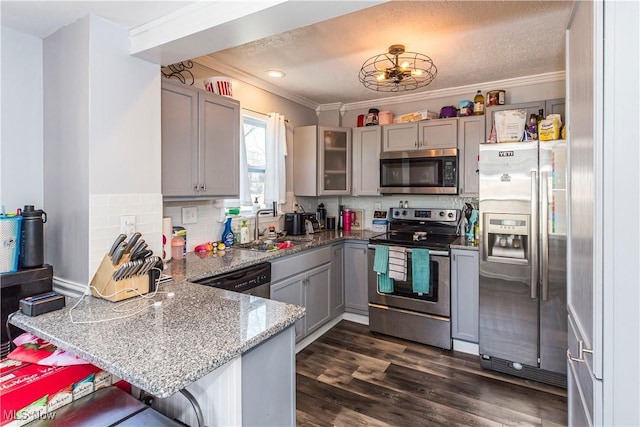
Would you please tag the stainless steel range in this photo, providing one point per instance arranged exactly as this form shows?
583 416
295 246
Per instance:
416 307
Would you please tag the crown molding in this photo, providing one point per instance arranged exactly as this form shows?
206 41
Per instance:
209 62
457 91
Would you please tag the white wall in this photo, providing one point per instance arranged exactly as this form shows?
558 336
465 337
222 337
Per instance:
21 151
102 146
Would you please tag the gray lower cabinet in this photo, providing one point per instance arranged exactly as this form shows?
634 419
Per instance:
305 279
464 295
355 277
337 280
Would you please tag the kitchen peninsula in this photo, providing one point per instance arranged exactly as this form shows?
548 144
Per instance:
208 341
230 350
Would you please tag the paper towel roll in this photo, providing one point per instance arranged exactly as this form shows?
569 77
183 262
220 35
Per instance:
167 231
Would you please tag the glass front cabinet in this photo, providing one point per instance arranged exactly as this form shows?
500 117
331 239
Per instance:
322 161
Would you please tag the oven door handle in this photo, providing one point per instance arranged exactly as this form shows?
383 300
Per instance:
431 251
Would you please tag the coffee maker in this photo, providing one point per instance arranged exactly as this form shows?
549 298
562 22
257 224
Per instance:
321 216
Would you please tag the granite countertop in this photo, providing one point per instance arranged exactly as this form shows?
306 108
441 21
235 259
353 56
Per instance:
462 243
197 266
163 349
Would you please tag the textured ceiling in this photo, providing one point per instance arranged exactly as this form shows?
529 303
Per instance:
470 42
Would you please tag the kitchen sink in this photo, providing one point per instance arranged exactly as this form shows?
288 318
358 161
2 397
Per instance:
272 245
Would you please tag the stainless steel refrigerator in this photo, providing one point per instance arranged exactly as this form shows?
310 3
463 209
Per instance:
523 315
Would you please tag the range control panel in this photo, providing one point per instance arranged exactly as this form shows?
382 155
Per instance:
421 214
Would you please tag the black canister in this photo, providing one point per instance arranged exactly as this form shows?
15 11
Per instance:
321 215
32 237
372 117
340 209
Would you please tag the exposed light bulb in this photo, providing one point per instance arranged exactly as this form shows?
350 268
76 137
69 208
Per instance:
416 72
405 64
380 77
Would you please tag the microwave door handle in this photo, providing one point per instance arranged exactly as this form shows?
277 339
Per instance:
533 236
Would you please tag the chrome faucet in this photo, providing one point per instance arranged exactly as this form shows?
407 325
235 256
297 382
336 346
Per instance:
273 210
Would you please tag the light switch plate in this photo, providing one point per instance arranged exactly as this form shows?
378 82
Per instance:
190 215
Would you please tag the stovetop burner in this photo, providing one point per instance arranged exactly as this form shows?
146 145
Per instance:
420 228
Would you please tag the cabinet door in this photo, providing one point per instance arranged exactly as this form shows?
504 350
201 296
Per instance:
316 296
355 278
464 295
531 107
305 161
555 106
334 167
291 291
441 133
337 280
219 162
400 137
470 136
179 141
366 161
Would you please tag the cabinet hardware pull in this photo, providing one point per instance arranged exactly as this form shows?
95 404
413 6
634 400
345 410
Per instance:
195 188
581 351
203 187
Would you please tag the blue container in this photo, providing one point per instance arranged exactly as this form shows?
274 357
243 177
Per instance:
9 243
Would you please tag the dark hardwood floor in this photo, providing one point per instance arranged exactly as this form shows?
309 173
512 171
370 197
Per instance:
352 377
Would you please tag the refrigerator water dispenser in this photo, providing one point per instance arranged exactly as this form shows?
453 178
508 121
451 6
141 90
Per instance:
506 238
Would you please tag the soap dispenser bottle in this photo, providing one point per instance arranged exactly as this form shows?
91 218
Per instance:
244 232
227 234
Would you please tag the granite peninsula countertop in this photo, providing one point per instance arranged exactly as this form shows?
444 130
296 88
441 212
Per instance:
462 243
163 349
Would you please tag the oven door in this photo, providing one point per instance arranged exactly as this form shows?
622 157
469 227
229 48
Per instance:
419 172
437 302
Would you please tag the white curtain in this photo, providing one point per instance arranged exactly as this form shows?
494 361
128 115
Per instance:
276 152
245 192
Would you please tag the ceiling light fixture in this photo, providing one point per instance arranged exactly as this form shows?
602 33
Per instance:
397 71
275 73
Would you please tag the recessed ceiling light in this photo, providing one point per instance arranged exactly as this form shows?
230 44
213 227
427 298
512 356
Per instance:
275 73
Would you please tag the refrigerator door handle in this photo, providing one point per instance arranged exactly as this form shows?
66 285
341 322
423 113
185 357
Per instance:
533 238
544 201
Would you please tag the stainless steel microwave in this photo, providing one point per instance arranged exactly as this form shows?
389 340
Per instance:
419 172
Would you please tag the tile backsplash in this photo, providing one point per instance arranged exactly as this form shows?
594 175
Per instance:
105 212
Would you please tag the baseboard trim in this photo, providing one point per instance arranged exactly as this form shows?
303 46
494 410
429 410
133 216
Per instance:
351 317
466 347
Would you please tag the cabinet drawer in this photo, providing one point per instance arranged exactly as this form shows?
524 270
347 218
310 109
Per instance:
294 264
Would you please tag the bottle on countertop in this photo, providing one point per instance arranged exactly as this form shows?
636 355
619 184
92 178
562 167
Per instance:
227 234
244 232
478 104
31 252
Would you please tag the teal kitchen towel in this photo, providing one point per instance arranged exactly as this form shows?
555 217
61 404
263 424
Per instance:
420 263
381 259
385 283
381 266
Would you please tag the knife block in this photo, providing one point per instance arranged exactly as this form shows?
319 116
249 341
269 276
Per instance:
122 289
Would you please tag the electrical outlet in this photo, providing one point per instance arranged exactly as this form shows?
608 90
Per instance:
190 215
128 224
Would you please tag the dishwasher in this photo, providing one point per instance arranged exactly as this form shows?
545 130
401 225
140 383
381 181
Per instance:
254 280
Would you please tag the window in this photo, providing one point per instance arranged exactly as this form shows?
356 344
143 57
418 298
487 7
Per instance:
255 131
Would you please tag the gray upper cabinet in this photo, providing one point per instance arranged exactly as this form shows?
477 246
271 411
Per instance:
366 161
321 161
464 295
422 135
471 134
551 106
200 143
